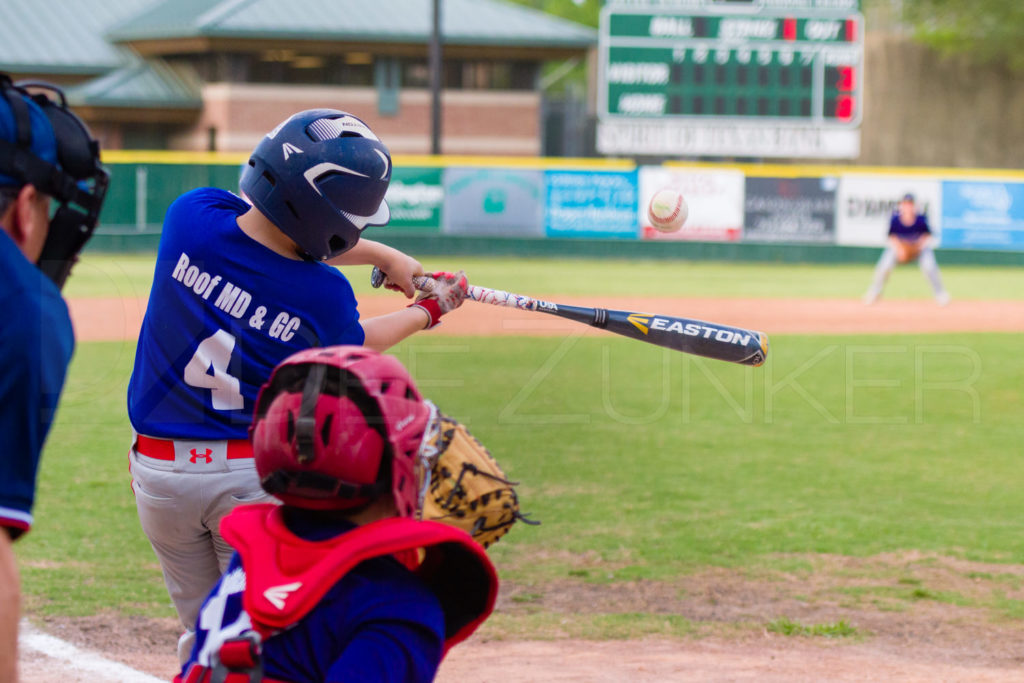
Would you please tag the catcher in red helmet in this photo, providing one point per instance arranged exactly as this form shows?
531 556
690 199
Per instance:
341 582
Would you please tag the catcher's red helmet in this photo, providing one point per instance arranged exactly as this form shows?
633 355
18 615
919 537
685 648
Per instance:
336 427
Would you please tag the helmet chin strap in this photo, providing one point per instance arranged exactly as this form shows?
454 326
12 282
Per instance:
305 426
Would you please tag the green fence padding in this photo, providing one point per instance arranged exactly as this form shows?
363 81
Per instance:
418 244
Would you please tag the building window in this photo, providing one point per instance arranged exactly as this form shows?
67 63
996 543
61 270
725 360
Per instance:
388 81
490 75
415 74
359 69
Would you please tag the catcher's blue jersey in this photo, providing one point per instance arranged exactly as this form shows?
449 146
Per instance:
378 624
223 311
36 342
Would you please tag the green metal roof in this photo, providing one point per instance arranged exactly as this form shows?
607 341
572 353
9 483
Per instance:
463 22
150 83
63 36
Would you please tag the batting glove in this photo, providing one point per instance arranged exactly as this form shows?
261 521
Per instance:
443 293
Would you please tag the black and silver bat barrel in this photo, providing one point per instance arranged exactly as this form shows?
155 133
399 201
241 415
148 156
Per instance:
712 340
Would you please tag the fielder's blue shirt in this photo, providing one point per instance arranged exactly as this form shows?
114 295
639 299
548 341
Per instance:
36 343
908 232
378 624
223 311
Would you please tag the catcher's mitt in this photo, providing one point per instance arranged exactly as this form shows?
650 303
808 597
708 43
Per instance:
463 485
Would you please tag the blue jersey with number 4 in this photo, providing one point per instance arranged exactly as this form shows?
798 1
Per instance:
223 311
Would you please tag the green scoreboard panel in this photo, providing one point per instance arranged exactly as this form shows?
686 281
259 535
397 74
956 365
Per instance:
763 77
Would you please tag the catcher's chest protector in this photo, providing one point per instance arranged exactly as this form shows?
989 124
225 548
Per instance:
286 576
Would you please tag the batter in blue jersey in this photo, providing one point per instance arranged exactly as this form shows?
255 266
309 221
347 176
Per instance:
240 284
336 584
223 310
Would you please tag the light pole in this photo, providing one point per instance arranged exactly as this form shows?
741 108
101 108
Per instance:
435 79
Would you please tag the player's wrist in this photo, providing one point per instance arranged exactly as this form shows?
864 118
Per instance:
432 309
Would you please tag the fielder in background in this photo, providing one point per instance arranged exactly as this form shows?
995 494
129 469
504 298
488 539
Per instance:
340 583
239 285
910 238
47 157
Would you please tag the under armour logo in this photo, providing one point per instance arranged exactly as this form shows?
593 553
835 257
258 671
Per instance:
196 454
290 149
276 595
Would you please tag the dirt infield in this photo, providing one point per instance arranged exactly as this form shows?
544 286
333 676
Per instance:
119 319
925 642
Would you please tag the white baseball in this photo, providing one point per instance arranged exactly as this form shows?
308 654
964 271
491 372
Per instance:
667 210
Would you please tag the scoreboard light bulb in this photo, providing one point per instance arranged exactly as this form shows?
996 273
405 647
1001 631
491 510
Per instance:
851 30
789 28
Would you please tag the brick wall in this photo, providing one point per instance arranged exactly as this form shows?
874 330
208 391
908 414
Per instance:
478 122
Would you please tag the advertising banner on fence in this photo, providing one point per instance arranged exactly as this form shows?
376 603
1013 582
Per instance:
591 204
416 196
866 203
493 202
714 198
983 215
790 210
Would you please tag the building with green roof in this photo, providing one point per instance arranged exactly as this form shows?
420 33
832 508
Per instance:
218 74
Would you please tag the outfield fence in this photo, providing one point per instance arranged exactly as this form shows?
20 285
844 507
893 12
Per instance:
597 208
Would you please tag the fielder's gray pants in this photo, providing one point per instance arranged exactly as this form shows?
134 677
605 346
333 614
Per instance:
925 260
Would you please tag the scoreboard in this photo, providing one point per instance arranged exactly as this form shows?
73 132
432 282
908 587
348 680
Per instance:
780 78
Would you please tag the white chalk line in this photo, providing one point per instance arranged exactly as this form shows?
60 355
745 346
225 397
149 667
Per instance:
79 660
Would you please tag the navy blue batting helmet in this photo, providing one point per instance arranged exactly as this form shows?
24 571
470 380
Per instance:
320 177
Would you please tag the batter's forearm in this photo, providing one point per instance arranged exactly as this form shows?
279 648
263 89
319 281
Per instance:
385 331
366 253
399 267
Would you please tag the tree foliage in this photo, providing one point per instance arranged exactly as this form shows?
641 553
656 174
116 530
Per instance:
988 31
581 11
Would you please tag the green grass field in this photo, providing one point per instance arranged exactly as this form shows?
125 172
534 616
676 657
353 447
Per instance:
130 274
653 465
642 464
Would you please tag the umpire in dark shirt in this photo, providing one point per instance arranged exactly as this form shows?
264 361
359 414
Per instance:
51 190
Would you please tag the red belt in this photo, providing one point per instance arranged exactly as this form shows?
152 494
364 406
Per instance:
163 449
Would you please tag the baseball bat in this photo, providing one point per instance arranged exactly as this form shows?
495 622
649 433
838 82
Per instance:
711 340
